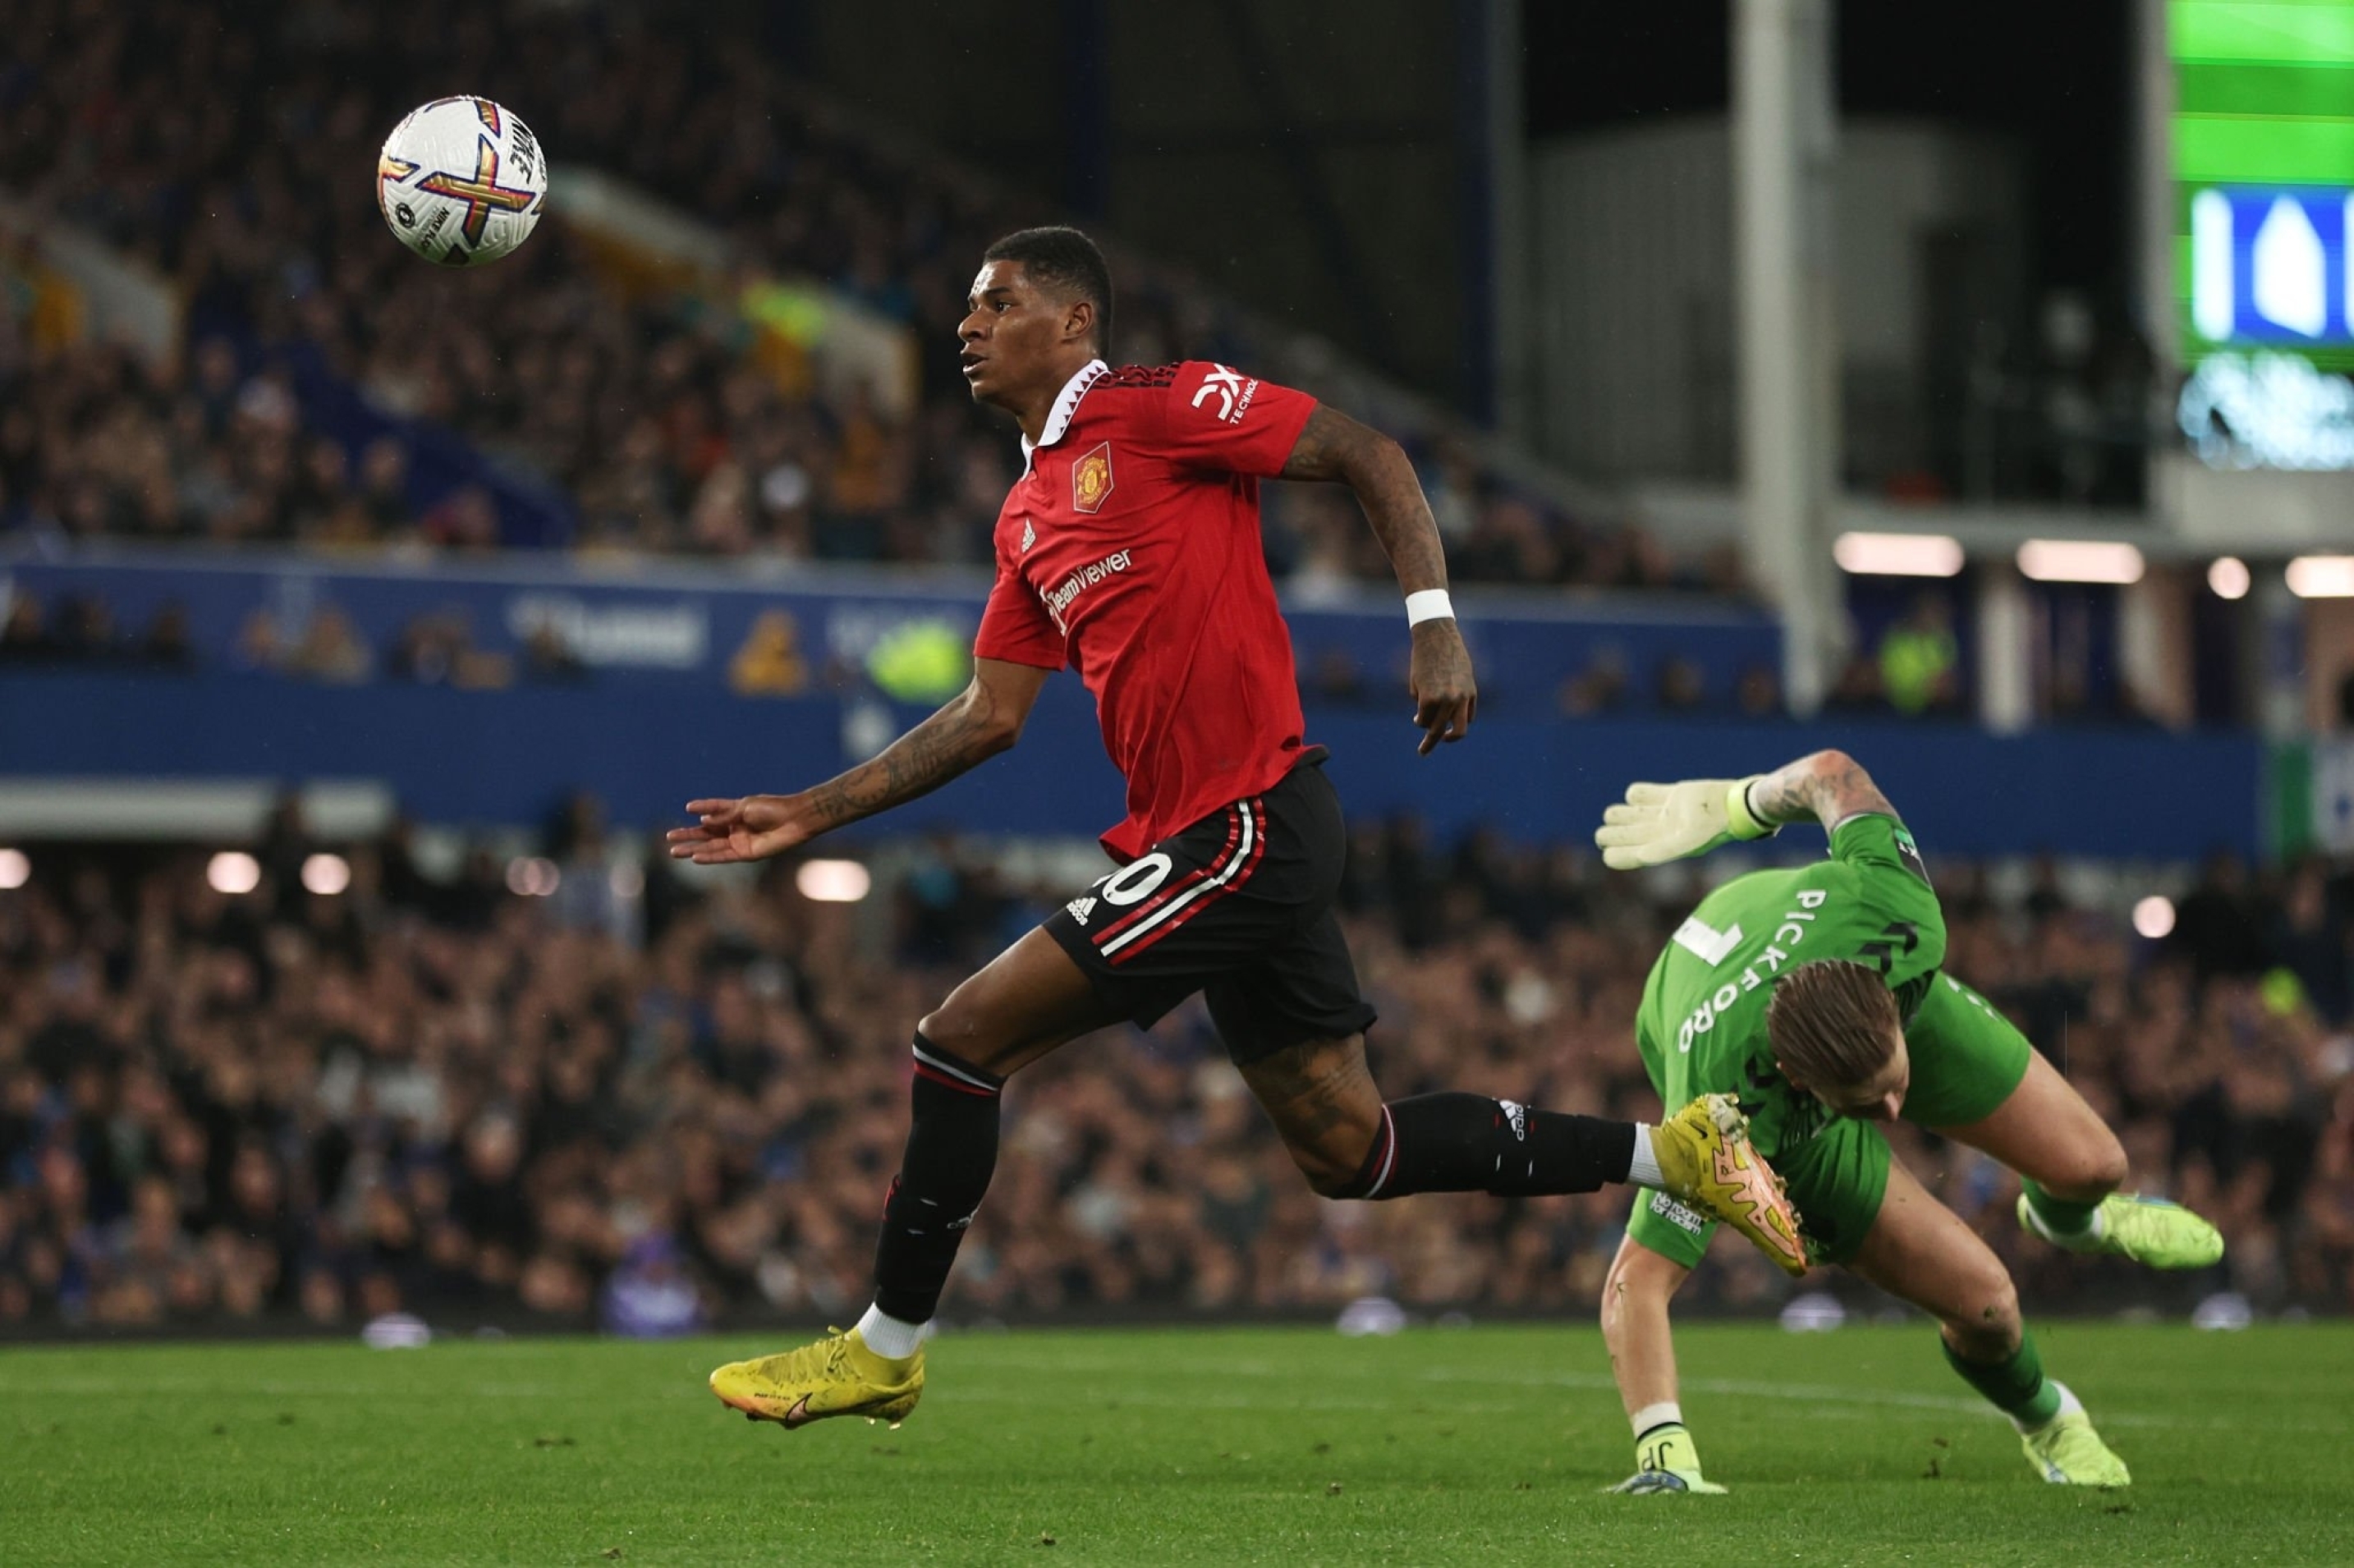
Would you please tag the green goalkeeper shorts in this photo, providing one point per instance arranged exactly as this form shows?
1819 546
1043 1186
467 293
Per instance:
1966 1060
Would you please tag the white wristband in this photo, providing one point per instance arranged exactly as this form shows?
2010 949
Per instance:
1430 604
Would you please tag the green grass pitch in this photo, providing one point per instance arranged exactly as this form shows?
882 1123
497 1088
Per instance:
1485 1445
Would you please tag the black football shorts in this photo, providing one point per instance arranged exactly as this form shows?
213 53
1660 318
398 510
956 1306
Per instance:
1239 907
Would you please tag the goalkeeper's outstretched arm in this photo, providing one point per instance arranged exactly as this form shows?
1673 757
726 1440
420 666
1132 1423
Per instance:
1660 822
1828 786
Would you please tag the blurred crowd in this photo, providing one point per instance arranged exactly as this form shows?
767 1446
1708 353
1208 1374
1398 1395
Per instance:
579 1087
227 151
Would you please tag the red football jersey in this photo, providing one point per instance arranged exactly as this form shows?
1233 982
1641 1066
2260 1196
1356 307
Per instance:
1130 550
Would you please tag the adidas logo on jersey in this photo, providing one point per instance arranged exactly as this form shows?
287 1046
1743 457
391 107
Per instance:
1081 908
1029 535
1518 1115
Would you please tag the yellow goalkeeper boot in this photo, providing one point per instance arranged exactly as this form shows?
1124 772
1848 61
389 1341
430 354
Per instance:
2067 1452
1707 1161
836 1376
2150 1231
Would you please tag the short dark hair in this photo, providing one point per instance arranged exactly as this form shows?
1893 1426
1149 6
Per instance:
1832 1023
1063 257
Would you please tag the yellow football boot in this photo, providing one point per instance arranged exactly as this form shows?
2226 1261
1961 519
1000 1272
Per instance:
2150 1231
836 1376
1707 1161
2067 1452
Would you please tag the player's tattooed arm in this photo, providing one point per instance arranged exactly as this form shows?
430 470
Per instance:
1335 447
984 720
1332 446
1828 786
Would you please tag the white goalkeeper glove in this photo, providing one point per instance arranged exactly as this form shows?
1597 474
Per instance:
1660 822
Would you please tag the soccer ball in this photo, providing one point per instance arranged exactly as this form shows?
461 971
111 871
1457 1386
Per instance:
462 180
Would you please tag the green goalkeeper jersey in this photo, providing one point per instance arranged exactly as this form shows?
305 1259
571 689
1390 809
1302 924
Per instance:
1703 1024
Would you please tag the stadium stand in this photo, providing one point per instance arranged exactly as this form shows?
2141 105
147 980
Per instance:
451 1098
445 1095
647 409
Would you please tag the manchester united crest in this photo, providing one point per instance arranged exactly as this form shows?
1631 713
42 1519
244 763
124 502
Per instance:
1091 479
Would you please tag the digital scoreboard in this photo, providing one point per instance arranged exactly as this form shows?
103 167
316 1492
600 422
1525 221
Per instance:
2263 166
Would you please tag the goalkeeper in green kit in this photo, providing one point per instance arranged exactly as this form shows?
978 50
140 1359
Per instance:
1816 996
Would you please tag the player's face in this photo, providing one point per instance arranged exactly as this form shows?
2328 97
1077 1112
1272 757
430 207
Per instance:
1014 337
1879 1097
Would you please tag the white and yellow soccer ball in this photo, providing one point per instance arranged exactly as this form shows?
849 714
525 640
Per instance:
461 181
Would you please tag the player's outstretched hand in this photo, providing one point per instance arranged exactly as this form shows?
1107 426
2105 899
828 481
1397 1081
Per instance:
753 828
1660 822
1445 697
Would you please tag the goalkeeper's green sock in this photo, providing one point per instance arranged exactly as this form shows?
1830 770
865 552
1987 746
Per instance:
2016 1387
2059 1220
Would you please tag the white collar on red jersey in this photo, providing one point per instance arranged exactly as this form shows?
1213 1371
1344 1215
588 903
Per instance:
1066 406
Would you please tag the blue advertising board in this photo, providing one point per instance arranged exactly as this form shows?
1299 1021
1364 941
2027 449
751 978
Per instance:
651 722
683 624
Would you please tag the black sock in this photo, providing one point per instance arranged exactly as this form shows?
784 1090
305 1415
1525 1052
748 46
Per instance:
1470 1143
951 1154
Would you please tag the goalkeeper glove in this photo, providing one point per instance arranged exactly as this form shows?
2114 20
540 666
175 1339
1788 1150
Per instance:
1666 1461
1660 822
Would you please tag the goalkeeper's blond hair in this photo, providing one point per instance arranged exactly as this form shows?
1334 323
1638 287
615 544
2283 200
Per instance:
1833 1023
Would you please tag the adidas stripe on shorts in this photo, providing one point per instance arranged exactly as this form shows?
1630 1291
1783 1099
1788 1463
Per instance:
1238 906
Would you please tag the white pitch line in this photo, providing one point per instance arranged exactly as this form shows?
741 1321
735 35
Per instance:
1831 1400
1831 1394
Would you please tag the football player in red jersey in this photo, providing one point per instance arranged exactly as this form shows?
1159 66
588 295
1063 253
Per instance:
1130 550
